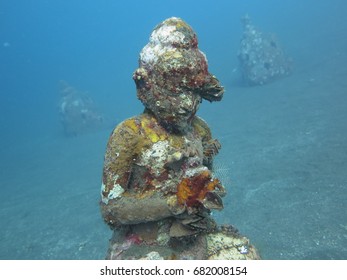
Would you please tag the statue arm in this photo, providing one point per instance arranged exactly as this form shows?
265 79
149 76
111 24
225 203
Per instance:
121 203
211 146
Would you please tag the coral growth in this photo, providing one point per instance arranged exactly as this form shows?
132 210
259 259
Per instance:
192 191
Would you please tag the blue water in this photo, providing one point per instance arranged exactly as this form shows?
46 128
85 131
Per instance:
284 145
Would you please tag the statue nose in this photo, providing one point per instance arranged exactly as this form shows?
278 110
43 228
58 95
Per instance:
184 111
189 104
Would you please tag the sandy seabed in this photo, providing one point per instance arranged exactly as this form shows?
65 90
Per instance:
283 161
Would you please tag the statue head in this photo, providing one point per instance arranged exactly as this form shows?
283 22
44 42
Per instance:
173 78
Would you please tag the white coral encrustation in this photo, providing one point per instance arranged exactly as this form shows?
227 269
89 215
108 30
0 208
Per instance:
115 192
163 39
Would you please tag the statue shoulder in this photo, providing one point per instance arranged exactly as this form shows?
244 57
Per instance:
137 129
125 134
130 126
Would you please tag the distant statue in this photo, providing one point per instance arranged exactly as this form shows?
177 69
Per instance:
77 111
260 55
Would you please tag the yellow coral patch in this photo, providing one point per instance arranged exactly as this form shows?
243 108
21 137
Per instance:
148 126
183 191
131 123
178 23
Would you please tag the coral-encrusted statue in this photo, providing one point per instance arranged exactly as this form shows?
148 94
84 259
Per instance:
158 189
78 114
261 57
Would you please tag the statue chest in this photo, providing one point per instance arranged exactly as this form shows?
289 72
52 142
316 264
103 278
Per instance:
164 163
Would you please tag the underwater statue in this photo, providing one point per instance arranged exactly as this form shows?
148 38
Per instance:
158 189
262 60
77 111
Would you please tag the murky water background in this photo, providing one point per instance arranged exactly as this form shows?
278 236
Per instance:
284 145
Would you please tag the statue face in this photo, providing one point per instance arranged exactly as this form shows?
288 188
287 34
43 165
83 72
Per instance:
171 89
175 111
175 79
